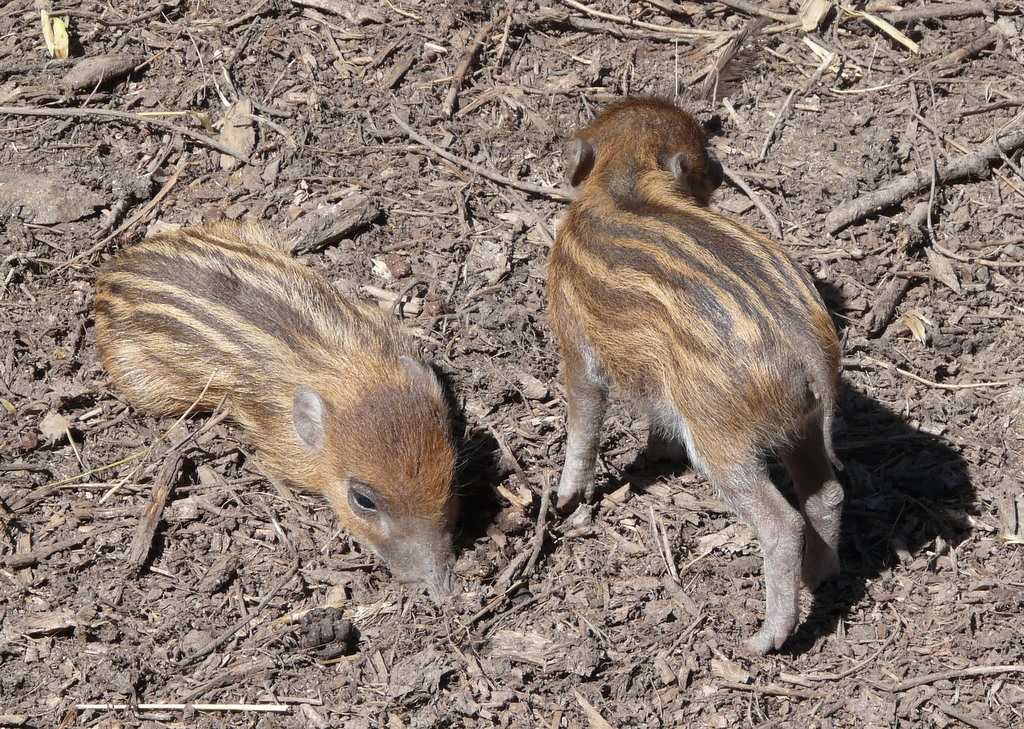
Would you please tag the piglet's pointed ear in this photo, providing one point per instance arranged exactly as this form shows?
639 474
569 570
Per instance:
581 161
420 375
308 414
680 166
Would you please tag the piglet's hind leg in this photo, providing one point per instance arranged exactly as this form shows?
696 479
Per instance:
779 530
821 501
587 396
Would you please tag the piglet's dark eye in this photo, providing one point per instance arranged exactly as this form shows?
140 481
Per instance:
361 497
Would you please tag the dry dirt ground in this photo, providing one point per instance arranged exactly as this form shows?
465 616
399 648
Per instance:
413 149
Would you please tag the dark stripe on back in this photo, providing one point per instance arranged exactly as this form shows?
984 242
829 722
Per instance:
176 328
620 308
215 281
783 296
618 259
731 249
200 241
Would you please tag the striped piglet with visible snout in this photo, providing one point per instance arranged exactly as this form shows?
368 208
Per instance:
327 390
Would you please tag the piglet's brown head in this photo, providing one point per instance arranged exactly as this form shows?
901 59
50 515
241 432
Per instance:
643 142
389 468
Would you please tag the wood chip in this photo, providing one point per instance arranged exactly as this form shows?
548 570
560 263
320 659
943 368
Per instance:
146 529
45 200
356 12
593 715
325 226
812 12
222 572
724 668
238 133
943 269
46 624
91 72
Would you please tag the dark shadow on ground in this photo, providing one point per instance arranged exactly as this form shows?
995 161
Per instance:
904 489
477 470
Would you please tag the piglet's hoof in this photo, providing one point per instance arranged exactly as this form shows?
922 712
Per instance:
567 502
765 641
759 644
573 490
816 573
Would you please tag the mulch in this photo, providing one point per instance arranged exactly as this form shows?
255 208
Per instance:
413 153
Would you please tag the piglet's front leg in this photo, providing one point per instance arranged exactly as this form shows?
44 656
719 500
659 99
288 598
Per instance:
586 391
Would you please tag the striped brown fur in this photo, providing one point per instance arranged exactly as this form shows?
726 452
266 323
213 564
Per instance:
707 323
326 389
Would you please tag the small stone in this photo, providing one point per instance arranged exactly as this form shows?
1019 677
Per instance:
28 441
533 388
433 305
398 266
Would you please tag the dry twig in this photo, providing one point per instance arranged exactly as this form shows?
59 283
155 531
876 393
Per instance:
883 310
717 79
934 11
540 529
857 666
135 20
272 708
773 222
964 716
938 385
970 672
751 8
541 190
968 50
622 20
227 634
975 163
773 690
125 116
467 60
808 85
593 715
31 559
943 137
146 528
146 209
775 125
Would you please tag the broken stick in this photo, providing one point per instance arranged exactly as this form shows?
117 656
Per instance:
127 117
146 529
539 190
883 311
975 163
467 60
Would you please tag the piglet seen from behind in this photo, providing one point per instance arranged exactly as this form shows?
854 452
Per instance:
707 323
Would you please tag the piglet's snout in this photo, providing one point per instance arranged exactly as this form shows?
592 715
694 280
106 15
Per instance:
424 562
